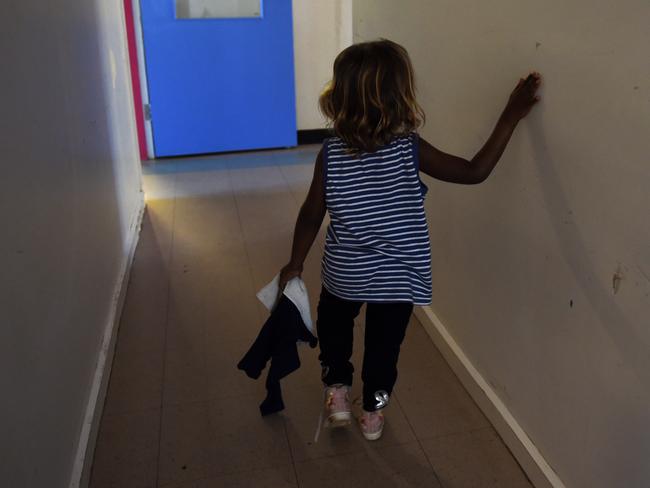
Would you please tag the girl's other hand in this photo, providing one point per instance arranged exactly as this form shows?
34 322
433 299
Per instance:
524 96
287 273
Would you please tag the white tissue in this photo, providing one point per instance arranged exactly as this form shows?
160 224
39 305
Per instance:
296 291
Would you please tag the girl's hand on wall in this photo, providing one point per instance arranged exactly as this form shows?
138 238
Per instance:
524 96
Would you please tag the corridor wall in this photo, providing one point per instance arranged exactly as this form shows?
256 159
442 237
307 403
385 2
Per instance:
541 275
70 204
320 31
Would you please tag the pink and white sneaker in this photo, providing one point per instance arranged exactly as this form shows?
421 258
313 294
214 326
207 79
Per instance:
371 424
337 405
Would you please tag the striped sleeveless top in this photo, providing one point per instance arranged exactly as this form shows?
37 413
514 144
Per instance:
377 244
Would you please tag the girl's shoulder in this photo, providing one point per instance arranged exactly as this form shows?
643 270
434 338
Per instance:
401 139
401 142
333 141
334 146
412 137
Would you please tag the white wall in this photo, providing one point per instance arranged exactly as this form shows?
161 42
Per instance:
321 29
69 202
524 264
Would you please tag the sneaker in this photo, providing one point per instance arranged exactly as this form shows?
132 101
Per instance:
371 424
337 405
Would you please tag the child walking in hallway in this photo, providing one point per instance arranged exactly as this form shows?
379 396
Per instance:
377 247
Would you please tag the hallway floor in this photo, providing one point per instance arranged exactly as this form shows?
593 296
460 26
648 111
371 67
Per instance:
178 412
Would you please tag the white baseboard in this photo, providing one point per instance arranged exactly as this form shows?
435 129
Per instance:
86 445
531 460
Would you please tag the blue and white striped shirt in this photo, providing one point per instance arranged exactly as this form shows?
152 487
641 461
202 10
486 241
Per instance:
377 244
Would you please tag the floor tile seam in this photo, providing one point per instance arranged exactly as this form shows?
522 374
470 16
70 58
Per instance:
138 352
512 454
129 412
172 484
368 446
215 436
408 421
433 344
208 400
459 384
113 416
244 240
291 192
189 403
356 451
168 295
212 399
254 239
490 427
455 433
429 375
251 275
203 329
223 475
189 479
208 403
291 456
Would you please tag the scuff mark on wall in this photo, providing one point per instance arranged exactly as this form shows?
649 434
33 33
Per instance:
616 279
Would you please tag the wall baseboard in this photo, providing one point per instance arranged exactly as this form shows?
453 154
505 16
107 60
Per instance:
86 446
540 473
313 136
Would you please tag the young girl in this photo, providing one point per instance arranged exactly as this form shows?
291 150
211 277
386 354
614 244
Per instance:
377 245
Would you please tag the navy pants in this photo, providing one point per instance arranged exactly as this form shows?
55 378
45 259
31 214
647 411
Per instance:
385 329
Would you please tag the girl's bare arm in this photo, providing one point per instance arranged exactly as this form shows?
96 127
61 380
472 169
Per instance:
454 169
308 224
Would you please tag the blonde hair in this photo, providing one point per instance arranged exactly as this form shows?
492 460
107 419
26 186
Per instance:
371 98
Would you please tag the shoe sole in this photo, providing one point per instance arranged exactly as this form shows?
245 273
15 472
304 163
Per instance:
340 419
372 437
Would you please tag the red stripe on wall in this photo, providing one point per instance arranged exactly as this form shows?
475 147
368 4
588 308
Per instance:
135 79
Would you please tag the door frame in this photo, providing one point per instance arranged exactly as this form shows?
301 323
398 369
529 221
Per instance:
139 78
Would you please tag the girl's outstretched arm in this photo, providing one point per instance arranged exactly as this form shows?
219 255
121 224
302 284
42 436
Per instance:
309 221
454 169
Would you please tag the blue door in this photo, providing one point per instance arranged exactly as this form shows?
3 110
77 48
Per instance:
219 84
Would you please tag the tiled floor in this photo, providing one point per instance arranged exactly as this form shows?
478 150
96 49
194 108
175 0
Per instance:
178 412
